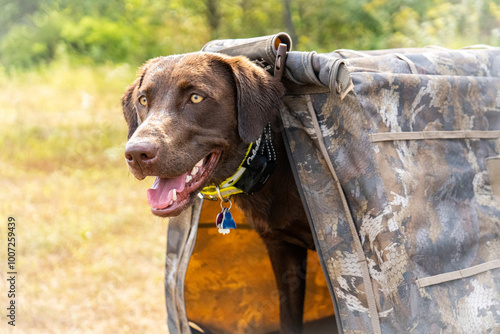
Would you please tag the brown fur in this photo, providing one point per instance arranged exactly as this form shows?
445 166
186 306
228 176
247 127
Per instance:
240 99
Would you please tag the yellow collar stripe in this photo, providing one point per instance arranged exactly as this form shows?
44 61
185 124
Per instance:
226 188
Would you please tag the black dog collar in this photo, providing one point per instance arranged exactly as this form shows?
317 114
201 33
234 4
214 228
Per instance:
253 172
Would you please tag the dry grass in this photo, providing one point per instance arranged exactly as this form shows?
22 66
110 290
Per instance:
89 255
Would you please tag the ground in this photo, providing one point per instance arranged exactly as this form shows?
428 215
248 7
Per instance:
89 254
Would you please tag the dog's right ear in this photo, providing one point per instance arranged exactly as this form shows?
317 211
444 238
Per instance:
129 108
128 103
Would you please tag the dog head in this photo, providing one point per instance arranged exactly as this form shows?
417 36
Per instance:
189 119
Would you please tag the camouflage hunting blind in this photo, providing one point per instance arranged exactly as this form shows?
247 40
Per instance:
396 154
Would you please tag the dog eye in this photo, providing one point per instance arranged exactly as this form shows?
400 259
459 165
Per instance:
143 100
195 98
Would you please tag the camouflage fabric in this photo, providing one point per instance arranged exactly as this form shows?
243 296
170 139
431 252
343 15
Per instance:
396 154
398 178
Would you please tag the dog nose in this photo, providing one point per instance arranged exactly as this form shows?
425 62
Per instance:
141 153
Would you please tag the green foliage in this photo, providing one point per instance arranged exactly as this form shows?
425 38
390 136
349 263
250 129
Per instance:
37 32
454 24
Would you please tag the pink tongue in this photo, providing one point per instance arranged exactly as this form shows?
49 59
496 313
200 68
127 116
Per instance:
161 193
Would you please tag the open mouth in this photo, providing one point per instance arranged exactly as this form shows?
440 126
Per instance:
169 196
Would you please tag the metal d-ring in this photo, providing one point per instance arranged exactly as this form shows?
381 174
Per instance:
230 204
223 200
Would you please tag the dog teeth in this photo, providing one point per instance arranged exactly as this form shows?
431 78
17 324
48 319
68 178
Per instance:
196 169
188 178
174 195
156 183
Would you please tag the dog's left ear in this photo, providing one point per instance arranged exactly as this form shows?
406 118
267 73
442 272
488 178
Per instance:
128 107
258 97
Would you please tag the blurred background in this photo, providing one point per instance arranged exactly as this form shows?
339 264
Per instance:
90 255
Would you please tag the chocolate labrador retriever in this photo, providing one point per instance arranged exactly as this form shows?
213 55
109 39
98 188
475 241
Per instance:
191 118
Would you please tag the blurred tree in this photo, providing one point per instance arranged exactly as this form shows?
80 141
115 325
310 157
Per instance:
14 12
37 32
213 17
287 16
326 24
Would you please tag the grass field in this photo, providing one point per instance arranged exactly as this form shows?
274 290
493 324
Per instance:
90 256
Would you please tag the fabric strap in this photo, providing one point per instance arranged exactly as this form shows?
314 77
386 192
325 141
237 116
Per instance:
413 68
459 274
461 134
370 296
493 167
